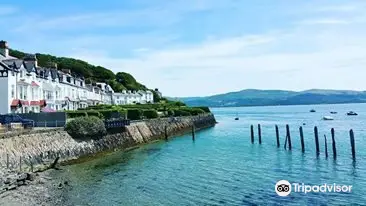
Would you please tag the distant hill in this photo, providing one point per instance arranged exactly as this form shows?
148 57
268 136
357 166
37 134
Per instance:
253 97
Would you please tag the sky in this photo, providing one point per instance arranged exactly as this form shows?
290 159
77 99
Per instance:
201 47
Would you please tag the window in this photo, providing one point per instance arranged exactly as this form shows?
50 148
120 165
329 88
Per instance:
12 91
33 96
21 74
68 79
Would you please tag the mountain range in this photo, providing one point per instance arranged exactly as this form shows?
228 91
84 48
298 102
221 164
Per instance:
254 97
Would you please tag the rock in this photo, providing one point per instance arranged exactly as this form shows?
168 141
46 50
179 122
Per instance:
22 177
30 176
7 181
66 183
12 187
20 183
60 186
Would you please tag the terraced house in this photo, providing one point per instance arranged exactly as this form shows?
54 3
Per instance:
27 87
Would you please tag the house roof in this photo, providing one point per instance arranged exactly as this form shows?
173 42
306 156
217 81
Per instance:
29 66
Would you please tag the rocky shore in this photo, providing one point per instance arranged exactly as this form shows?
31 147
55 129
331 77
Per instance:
39 150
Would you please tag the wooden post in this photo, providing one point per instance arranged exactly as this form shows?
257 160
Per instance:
252 133
277 136
31 163
352 138
7 161
302 139
166 132
193 132
259 134
333 144
326 146
316 140
289 136
20 163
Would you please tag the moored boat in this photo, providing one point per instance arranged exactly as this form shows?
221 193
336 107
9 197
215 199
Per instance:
333 112
312 110
351 113
328 118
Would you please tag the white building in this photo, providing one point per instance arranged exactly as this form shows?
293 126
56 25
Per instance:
133 97
27 87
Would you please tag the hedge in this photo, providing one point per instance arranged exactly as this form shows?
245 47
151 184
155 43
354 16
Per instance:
134 114
82 127
150 114
74 114
178 113
205 109
93 113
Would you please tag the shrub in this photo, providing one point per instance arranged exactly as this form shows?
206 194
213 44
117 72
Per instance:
82 127
134 114
150 114
178 113
205 109
93 113
74 114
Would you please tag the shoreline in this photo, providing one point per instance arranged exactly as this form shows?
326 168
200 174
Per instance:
47 187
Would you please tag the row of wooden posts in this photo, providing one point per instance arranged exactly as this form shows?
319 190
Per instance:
21 161
316 135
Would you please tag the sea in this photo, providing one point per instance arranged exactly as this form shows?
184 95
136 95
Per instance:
223 167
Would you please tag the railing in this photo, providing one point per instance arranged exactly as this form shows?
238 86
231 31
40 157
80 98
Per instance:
116 123
53 123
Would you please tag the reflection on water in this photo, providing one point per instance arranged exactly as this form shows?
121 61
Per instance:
222 167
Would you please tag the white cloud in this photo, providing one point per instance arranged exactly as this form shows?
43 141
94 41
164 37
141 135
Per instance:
326 49
7 10
324 21
333 59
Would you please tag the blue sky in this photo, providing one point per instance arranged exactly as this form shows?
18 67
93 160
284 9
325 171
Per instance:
201 47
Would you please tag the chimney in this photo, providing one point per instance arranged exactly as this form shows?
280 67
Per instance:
31 58
4 49
52 65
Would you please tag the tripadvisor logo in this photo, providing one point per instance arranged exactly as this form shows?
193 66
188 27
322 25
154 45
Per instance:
284 188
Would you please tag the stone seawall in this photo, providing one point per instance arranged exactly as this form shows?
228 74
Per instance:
41 148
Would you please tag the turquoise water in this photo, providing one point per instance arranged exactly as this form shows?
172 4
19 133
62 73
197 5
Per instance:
222 167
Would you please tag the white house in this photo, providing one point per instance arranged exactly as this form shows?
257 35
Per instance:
133 97
26 87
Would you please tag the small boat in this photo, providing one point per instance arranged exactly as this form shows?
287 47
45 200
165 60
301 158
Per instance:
328 118
333 112
351 113
237 117
313 110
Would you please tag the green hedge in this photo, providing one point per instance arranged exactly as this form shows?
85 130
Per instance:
205 109
178 113
75 114
150 114
93 113
134 114
82 127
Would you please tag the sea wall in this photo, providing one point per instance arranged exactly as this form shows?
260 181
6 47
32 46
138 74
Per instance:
39 149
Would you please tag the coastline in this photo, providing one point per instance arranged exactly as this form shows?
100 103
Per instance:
47 186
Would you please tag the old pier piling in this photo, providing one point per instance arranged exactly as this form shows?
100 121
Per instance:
302 140
352 139
277 136
259 134
326 146
193 132
316 135
288 134
252 133
166 132
334 148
